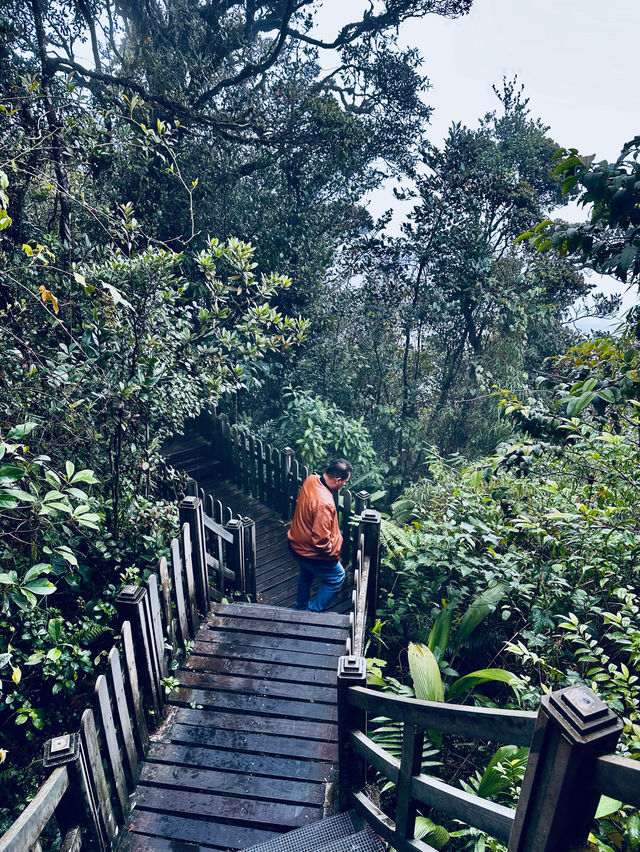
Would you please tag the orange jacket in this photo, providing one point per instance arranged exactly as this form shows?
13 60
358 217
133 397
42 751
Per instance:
314 531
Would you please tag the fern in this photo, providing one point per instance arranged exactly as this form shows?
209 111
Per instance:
388 734
91 633
394 537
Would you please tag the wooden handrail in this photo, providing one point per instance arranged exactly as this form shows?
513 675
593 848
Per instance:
514 727
571 764
217 529
26 830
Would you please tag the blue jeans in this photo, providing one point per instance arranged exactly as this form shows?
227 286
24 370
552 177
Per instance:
331 577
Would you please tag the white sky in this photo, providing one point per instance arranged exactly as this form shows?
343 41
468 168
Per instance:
576 59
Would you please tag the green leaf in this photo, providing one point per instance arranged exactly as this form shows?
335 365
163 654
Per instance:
20 431
633 832
84 476
10 473
440 632
481 607
69 468
22 496
36 571
434 835
9 579
54 629
469 681
493 781
607 806
581 403
7 501
67 554
54 654
52 478
425 673
40 587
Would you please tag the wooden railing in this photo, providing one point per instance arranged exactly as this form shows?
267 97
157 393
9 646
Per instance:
366 574
571 764
95 769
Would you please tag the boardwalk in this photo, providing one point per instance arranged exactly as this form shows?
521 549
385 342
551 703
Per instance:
276 569
251 738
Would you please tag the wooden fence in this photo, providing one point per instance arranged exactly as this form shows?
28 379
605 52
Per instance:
571 764
95 769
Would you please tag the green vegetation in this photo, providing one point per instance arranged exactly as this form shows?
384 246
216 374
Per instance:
145 196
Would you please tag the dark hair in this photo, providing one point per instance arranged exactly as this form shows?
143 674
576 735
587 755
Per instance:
340 468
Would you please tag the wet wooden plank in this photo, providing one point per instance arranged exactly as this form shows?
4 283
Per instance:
259 724
258 686
232 783
272 671
259 652
292 630
124 719
113 750
227 808
134 842
283 643
184 829
242 741
255 764
256 704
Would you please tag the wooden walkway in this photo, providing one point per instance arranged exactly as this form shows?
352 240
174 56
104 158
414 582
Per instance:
251 737
276 569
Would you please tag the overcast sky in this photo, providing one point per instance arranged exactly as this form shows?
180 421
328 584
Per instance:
576 59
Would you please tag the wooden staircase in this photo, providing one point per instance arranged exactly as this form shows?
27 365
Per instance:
250 744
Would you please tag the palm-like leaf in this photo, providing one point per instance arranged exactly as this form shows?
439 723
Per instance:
425 673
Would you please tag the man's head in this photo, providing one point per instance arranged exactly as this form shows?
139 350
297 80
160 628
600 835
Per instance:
337 473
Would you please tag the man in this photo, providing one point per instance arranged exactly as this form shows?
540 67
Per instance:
315 538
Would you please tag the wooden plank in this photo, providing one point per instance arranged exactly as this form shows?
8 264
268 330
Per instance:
272 671
260 467
216 528
111 739
244 703
218 646
134 842
28 827
189 803
302 728
258 686
197 830
293 629
178 590
169 621
156 623
255 764
244 741
117 685
95 771
187 562
248 610
488 816
232 783
618 777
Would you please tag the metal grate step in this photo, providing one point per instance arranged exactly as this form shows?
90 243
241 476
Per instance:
345 832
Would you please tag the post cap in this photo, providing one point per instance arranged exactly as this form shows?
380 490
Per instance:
352 668
189 502
370 515
246 521
61 750
233 524
363 495
288 451
130 594
583 716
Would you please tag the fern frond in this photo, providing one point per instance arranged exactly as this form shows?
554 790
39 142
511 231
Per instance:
91 633
394 537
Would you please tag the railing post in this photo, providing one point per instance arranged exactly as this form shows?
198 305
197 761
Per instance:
286 457
235 553
79 804
132 604
557 804
352 671
249 527
363 499
225 455
191 513
370 527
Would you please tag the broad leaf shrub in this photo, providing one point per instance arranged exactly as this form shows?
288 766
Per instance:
552 525
102 361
